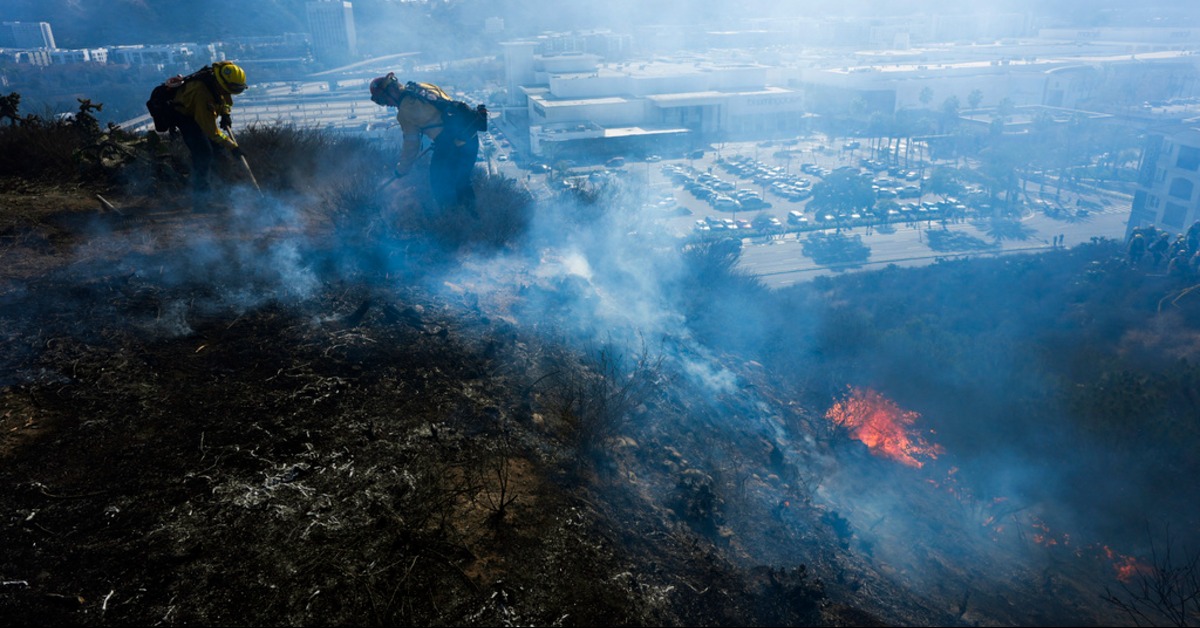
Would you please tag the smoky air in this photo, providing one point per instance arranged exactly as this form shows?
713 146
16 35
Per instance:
903 296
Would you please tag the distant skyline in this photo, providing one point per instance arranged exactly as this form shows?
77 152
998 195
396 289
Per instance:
91 23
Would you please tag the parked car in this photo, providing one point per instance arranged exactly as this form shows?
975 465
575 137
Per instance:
725 203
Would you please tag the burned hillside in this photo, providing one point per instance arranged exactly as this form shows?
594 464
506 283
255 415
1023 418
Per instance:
330 405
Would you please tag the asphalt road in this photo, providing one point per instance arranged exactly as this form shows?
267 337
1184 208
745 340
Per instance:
780 262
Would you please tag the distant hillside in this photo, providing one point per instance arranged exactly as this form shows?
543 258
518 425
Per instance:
88 23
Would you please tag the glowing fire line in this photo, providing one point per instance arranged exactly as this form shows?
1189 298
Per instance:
882 426
886 430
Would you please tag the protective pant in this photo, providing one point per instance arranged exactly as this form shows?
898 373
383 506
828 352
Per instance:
450 171
203 151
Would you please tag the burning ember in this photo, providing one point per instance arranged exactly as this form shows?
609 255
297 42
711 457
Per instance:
1128 567
880 424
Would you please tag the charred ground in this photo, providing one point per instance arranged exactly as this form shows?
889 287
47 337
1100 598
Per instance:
354 456
329 406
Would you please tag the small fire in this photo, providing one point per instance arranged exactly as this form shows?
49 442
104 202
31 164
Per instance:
1127 566
882 426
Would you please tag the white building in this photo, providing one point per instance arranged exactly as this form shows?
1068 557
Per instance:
188 54
1037 74
79 55
25 57
30 35
331 24
576 95
574 102
1168 194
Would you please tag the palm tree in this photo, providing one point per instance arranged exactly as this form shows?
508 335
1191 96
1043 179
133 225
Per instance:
880 127
945 182
949 117
842 192
974 98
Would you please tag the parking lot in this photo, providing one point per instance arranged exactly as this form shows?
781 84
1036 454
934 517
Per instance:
761 191
765 187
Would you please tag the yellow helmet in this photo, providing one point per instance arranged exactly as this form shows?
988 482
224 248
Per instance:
230 77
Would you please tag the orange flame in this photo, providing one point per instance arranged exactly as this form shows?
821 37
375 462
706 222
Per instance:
882 426
1127 567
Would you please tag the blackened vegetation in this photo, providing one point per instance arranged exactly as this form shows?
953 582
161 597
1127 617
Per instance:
282 465
191 436
1162 591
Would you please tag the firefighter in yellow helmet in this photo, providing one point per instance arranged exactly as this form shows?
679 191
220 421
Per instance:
455 141
204 105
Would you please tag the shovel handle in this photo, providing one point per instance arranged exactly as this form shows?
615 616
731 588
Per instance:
246 164
251 173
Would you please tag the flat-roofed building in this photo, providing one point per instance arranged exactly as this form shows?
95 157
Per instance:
1168 192
574 102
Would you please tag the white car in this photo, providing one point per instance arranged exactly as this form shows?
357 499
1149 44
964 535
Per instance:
725 203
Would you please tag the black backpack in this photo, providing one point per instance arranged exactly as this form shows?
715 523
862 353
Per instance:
159 105
462 120
459 120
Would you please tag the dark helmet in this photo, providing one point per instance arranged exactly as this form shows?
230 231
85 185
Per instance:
380 87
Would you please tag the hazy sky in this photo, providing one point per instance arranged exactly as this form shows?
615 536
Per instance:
80 23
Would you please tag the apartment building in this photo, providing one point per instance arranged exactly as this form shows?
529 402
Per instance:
27 35
1168 193
331 24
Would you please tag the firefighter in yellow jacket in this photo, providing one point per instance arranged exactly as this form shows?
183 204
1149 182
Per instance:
455 147
204 109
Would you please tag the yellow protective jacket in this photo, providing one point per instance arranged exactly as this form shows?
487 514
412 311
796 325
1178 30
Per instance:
417 117
197 101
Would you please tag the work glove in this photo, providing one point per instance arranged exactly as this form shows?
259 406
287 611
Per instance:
236 151
226 121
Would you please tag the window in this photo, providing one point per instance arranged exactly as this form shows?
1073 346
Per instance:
1173 215
1181 188
1189 158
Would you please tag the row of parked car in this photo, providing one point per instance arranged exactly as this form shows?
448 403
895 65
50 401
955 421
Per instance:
775 179
903 212
714 224
721 194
